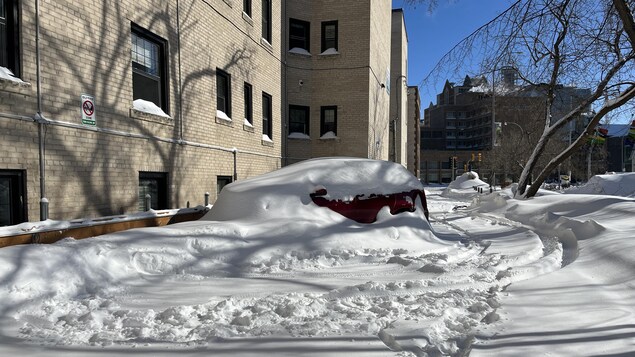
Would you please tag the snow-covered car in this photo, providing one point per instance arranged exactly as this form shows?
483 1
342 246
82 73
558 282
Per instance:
355 188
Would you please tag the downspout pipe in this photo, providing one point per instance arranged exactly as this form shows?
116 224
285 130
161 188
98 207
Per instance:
178 47
39 118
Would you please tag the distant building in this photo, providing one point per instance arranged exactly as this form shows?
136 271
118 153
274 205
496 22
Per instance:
467 119
620 141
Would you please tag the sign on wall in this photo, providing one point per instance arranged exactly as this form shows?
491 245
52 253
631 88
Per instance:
88 110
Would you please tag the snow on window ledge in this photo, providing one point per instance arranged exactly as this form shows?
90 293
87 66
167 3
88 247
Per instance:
330 52
299 136
247 126
223 119
329 135
300 51
248 19
221 115
146 110
266 44
266 140
11 83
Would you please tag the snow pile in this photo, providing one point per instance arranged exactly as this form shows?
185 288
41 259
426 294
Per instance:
466 180
267 270
287 190
8 76
614 185
464 184
148 107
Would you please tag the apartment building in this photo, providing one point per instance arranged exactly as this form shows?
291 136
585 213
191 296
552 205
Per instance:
469 118
339 58
104 103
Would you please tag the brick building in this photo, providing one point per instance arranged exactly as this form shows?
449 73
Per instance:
338 79
102 103
468 118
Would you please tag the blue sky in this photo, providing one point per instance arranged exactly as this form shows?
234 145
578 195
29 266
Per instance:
431 35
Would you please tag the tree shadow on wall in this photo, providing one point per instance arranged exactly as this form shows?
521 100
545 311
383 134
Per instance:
111 83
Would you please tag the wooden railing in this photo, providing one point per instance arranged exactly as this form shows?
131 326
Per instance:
80 229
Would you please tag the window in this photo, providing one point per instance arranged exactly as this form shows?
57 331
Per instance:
266 115
298 119
247 7
9 54
223 92
249 103
329 35
328 120
154 184
222 181
299 33
266 20
12 197
149 69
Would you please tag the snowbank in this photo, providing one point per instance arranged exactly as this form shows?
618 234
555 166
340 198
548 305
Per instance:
614 185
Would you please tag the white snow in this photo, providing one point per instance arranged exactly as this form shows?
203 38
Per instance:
266 137
148 107
247 123
267 271
300 51
329 52
7 75
221 115
614 185
299 136
328 135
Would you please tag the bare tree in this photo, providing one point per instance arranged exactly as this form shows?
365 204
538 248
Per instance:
584 43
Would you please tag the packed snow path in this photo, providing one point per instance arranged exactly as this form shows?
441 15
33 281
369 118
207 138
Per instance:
372 302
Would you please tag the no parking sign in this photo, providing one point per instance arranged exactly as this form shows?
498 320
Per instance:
88 110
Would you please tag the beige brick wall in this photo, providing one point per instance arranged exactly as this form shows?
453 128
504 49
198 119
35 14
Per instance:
86 49
399 86
350 80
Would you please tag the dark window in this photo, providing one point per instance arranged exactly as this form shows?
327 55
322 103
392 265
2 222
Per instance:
266 20
298 119
299 33
149 69
12 197
247 7
9 54
328 120
329 35
249 103
154 184
223 92
266 115
222 181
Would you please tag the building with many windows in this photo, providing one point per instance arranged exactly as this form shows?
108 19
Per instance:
103 103
468 120
338 78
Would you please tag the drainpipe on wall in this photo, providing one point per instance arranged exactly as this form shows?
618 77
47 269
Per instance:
235 152
39 118
178 48
285 93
